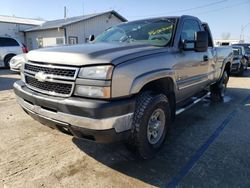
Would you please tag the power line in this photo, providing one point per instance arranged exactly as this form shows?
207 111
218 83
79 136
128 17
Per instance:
219 9
184 10
199 7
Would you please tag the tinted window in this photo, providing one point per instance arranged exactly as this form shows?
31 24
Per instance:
8 42
190 27
236 51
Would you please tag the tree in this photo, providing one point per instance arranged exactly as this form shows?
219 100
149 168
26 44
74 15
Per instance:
225 35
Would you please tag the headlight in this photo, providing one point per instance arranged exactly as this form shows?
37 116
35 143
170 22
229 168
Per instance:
103 72
92 91
17 61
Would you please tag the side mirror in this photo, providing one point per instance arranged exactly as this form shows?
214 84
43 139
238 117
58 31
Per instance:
200 44
91 38
188 45
201 41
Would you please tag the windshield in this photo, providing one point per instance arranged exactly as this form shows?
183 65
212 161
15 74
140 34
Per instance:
236 51
154 32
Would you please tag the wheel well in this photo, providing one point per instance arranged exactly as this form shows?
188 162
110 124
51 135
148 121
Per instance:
7 56
228 68
164 86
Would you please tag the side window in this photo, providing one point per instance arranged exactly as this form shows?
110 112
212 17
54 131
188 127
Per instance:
189 28
73 40
12 42
1 41
8 42
210 41
59 41
240 51
39 42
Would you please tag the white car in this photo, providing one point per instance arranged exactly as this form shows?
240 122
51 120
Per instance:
16 62
10 47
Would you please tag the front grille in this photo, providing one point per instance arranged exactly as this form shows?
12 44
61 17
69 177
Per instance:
49 87
56 80
56 71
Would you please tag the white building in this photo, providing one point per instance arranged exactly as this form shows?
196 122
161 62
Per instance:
13 26
71 30
227 42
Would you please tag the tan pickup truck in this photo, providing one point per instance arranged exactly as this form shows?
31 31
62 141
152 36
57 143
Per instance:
128 83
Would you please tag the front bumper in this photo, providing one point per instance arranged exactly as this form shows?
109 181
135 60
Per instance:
82 117
15 70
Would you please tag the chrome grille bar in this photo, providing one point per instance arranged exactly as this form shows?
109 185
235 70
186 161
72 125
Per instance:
60 80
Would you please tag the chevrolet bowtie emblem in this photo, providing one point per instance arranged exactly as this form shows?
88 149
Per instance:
41 76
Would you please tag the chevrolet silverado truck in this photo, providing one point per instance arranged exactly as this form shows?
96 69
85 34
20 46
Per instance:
128 84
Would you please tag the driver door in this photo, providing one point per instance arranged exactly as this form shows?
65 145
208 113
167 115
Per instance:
192 67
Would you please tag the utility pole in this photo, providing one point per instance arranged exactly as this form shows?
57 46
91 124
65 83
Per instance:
84 30
65 12
242 31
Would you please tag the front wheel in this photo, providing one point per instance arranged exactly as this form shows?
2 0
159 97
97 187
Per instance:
7 61
218 89
150 122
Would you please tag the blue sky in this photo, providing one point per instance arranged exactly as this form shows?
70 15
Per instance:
223 16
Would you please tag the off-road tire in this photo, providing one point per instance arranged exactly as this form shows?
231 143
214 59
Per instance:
146 104
218 89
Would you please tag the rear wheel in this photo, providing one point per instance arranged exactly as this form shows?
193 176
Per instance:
218 89
150 122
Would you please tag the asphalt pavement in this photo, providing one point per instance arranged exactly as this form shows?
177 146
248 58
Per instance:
207 146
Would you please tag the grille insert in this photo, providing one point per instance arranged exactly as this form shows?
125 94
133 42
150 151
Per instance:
49 87
67 72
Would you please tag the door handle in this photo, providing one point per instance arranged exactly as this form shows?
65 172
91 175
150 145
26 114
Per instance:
205 58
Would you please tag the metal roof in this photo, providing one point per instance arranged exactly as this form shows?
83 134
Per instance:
64 22
17 20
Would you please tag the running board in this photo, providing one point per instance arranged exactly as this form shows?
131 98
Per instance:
195 101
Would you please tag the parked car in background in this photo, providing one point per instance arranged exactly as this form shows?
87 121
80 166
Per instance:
247 51
239 64
16 62
9 47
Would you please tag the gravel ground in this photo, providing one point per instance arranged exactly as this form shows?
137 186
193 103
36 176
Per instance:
207 146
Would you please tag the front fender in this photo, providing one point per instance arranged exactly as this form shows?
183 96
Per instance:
7 53
148 77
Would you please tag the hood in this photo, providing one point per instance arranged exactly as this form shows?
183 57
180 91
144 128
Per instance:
96 53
